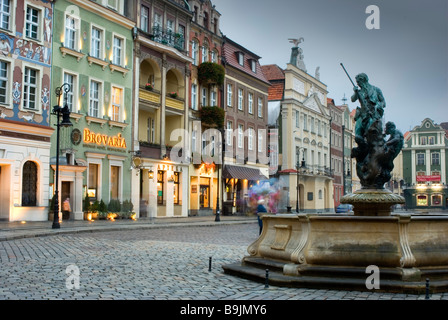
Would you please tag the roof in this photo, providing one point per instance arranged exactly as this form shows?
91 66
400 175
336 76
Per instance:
230 50
275 91
273 72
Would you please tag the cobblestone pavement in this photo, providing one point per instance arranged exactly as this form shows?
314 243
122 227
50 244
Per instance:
170 263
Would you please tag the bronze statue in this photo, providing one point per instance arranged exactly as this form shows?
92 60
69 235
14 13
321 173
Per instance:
374 155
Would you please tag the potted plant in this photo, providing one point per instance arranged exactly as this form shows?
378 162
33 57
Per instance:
211 73
114 209
149 86
172 94
213 116
126 209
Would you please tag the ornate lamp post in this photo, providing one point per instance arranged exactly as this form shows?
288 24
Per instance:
65 112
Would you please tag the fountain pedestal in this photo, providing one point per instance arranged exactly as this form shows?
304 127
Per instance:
372 202
334 251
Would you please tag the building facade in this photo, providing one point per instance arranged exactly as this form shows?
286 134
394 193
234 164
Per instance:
206 52
304 139
246 118
25 71
425 167
92 53
347 146
337 150
161 95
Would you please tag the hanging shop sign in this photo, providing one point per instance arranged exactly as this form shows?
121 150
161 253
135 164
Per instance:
104 140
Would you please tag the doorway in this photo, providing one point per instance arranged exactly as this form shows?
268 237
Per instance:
204 196
66 193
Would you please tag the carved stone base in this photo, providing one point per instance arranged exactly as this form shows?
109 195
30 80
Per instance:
372 202
333 251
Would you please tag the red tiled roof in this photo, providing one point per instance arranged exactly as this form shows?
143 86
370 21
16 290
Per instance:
229 51
273 72
276 90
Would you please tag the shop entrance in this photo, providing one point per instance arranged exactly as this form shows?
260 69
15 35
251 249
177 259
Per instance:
204 198
66 194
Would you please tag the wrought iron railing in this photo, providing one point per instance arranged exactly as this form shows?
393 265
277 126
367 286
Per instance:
168 37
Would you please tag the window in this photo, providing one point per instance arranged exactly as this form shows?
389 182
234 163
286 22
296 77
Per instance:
96 43
305 122
435 158
5 14
151 134
29 184
420 159
176 187
115 182
319 129
112 4
193 141
213 98
204 53
240 58
194 52
32 23
194 92
297 119
117 98
204 97
240 135
157 20
260 140
118 51
229 133
312 124
71 41
240 99
69 96
250 139
144 19
30 89
160 179
260 107
229 95
436 200
214 56
4 75
422 200
181 41
253 66
423 140
251 103
431 140
93 181
94 96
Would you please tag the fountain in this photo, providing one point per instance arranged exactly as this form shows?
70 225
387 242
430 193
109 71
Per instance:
339 251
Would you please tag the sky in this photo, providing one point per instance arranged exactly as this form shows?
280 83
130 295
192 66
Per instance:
407 57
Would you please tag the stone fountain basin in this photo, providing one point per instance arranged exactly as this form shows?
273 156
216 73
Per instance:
334 250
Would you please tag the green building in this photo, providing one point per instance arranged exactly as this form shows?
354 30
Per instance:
93 53
425 166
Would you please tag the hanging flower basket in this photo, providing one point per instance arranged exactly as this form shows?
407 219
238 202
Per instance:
213 116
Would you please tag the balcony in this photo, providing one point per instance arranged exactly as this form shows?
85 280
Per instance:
168 37
151 96
150 150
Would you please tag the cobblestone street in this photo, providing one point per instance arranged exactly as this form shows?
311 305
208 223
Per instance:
169 263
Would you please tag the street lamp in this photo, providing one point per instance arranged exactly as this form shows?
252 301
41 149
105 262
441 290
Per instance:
299 167
65 112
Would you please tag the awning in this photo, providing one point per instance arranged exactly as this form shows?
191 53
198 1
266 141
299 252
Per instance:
238 172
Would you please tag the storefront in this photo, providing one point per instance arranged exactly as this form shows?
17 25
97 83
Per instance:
427 196
238 181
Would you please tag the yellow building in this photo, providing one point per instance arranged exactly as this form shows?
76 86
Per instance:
304 124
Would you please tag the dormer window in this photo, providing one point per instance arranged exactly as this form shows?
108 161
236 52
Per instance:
253 65
240 57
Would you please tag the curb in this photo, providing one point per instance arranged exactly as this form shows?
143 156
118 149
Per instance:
36 233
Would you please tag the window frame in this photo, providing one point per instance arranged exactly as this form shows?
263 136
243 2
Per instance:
100 97
38 24
122 55
113 105
72 94
37 87
100 40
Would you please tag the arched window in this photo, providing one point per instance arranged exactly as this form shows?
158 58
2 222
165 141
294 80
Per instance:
29 184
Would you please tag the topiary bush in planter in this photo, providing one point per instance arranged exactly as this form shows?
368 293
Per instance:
213 116
211 73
